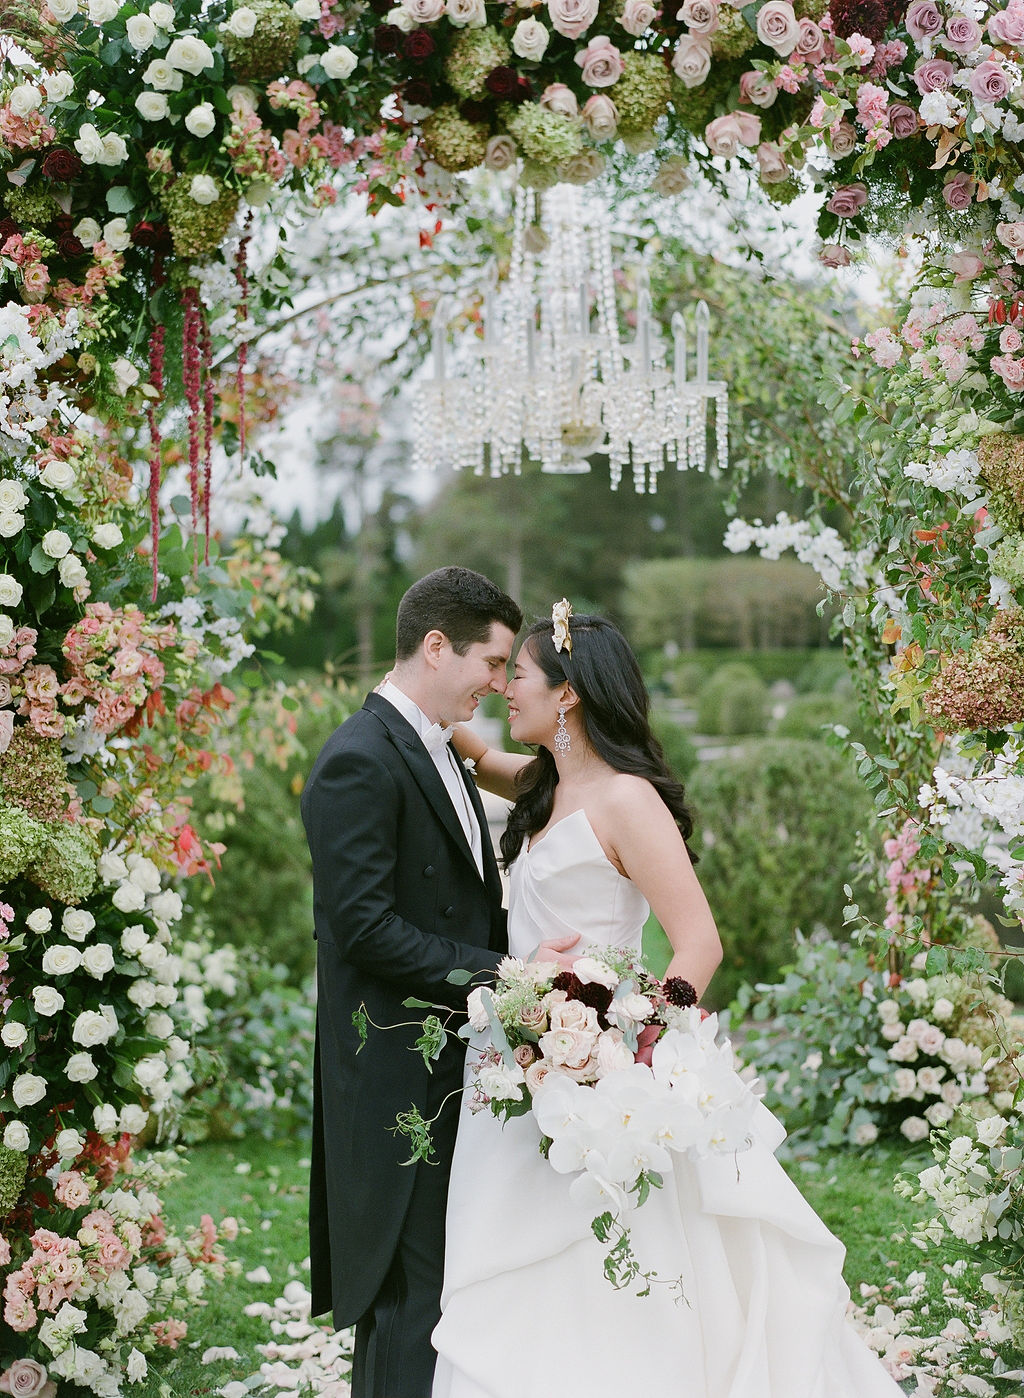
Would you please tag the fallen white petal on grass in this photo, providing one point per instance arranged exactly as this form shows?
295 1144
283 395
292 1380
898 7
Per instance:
303 1357
233 1390
259 1274
216 1352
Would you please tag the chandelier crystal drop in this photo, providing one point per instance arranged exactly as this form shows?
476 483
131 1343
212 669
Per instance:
550 381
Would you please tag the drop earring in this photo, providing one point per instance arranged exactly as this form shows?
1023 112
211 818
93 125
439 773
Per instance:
562 740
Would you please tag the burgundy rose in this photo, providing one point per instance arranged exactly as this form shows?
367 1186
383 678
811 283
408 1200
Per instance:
418 45
62 165
8 228
988 82
923 19
502 82
418 93
934 75
958 191
68 245
152 235
380 7
387 39
524 90
848 200
903 121
472 110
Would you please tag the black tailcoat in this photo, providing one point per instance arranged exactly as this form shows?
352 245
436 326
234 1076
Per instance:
398 903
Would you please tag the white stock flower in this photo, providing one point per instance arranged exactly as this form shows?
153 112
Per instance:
151 106
204 189
24 98
55 543
190 55
40 919
201 120
242 23
81 1068
141 31
338 61
107 536
28 1089
98 960
16 1136
13 1034
163 75
47 1000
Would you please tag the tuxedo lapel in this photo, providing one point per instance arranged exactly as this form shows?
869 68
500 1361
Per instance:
426 775
492 877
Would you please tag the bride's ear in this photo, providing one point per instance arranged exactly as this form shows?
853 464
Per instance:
568 699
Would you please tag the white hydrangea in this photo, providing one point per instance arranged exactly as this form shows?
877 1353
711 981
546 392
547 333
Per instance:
957 470
839 568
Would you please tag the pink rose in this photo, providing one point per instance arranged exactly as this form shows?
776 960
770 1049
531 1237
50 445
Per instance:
1011 371
958 191
749 127
935 74
538 1072
524 1054
834 255
560 99
567 1048
757 89
500 153
601 62
691 61
723 135
777 26
5 1247
922 20
1007 27
903 121
24 1379
810 44
574 1015
1010 339
988 82
601 117
534 1017
700 16
1011 235
771 163
848 200
571 17
841 137
966 266
638 16
963 34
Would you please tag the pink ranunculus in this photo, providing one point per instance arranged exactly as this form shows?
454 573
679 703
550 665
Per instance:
834 255
778 27
699 16
601 62
571 17
601 117
810 45
935 74
963 33
691 61
26 1378
958 191
771 163
965 266
757 89
1007 26
903 121
848 200
842 138
988 82
922 20
638 16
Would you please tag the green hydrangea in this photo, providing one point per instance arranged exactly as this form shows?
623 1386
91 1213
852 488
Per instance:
197 229
784 192
544 135
33 775
454 142
1008 559
65 869
1001 458
643 92
695 106
810 9
734 36
270 49
33 208
21 839
473 55
13 1169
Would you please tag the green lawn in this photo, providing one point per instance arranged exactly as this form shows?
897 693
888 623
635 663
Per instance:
264 1187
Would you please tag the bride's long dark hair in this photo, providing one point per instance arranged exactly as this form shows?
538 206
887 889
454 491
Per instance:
615 705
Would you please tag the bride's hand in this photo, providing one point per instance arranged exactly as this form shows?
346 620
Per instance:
557 951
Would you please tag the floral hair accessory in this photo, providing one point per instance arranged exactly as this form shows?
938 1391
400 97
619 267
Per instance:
560 614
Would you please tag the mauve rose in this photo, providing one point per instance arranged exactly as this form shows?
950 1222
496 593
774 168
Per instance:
418 45
571 17
903 121
24 1379
556 97
601 117
811 41
1007 27
848 200
574 1015
988 82
834 255
524 1054
700 16
757 89
922 19
691 61
501 81
966 266
771 163
500 153
601 62
387 39
638 16
934 75
777 26
963 34
842 138
537 1072
723 135
958 191
62 165
1011 235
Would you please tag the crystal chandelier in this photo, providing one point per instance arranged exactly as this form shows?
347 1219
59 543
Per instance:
550 380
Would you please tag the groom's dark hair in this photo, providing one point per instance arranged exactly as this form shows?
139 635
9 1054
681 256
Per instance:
461 603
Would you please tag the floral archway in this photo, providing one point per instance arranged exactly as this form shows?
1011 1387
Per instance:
152 156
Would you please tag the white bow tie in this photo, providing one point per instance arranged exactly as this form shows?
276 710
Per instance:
435 738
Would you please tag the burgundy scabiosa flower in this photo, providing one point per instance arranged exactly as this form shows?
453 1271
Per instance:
474 111
679 992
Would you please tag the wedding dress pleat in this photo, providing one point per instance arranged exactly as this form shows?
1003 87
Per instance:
750 1301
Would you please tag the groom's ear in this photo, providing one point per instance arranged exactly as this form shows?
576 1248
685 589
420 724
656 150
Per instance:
433 646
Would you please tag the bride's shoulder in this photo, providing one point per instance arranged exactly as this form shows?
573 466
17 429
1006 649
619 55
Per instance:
625 796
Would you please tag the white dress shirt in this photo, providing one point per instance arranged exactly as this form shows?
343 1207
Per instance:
445 761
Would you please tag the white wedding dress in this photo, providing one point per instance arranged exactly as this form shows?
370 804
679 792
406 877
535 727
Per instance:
527 1311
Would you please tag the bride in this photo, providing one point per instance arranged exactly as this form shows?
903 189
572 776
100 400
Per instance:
595 840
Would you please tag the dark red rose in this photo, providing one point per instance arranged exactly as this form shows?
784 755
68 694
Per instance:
380 7
475 111
62 165
151 235
524 90
418 45
418 93
68 245
868 17
387 38
8 228
502 82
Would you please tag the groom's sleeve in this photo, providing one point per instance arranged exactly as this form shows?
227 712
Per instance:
351 811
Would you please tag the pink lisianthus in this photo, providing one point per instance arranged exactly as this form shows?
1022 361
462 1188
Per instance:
169 1332
861 47
72 1189
788 79
885 349
19 1312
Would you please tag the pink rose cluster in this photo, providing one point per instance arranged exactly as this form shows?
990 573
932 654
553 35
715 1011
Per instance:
112 654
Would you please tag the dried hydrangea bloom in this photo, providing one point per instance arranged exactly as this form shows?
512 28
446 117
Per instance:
983 687
1001 459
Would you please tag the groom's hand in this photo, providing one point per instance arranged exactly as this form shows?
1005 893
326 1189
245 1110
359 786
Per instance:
557 950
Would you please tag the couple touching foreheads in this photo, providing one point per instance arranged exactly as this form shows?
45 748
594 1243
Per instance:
475 1276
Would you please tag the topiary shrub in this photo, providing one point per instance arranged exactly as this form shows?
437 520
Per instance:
680 752
807 715
733 701
776 830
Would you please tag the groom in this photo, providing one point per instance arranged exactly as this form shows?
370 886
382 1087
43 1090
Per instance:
406 889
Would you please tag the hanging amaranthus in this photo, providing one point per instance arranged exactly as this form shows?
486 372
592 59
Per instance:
156 379
191 334
206 353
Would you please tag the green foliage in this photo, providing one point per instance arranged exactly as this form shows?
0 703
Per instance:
733 701
679 749
808 714
776 832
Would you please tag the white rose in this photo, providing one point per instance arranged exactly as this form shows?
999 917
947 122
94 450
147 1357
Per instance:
72 571
133 939
6 627
204 189
10 590
55 543
128 898
58 475
167 906
201 119
107 536
11 523
81 1068
61 960
478 1017
13 1034
943 1008
338 61
105 1119
888 1011
141 31
115 152
16 1135
63 10
162 15
28 1089
530 39
88 232
151 106
466 13
242 23
917 989
24 99
133 1119
160 1025
865 1133
904 1082
40 919
92 1028
12 495
930 1080
991 1130
142 993
163 76
98 960
102 11
401 19
424 11
58 85
116 235
112 867
69 1143
149 1071
191 55
939 1113
144 873
307 9
153 955
915 1128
